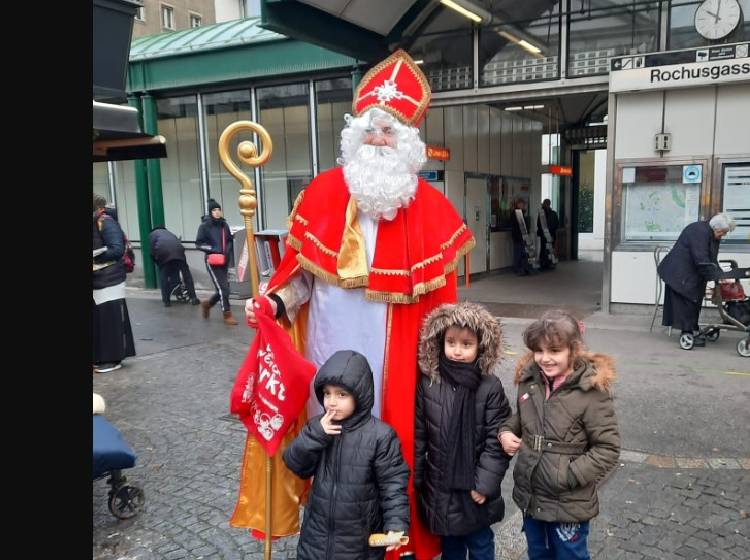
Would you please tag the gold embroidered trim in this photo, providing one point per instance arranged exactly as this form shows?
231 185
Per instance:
465 248
388 327
453 237
390 271
389 297
425 262
301 220
294 243
319 245
296 204
348 283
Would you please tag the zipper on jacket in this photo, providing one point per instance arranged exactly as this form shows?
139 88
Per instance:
539 459
332 506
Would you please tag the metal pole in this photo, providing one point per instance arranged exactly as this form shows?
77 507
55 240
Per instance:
202 147
248 154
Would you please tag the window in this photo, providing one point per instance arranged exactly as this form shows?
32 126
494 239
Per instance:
334 98
682 33
285 113
504 193
735 200
601 29
520 51
167 17
140 14
195 20
659 201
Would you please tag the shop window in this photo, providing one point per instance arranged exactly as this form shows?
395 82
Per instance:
334 100
284 111
219 111
735 200
504 192
659 201
180 172
601 29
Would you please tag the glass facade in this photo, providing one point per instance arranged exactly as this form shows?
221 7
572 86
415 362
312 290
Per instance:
446 51
735 200
180 171
520 51
125 197
284 111
334 100
219 111
100 180
601 29
682 33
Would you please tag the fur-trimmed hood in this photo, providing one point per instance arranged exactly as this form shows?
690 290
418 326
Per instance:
464 315
596 371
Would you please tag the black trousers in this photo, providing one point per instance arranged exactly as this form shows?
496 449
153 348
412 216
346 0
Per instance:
220 279
169 274
679 312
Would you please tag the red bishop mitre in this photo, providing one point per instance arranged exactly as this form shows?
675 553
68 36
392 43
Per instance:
395 85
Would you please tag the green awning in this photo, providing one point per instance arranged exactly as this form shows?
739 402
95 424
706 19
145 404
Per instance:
229 51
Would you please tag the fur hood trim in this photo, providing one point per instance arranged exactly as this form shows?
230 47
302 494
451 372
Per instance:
465 315
599 373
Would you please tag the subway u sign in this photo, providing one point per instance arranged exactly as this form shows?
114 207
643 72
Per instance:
438 152
564 170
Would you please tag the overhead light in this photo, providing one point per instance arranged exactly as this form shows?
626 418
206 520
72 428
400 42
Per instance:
529 47
420 61
516 108
524 44
473 16
533 106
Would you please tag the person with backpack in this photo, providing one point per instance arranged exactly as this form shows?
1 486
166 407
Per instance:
113 336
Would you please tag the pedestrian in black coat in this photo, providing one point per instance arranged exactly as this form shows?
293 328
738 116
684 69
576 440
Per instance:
458 462
360 476
691 263
168 253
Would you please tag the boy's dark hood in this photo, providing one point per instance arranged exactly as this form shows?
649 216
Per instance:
350 370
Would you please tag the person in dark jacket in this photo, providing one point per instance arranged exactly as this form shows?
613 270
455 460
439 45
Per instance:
565 433
113 336
691 263
215 238
169 255
460 404
547 247
360 476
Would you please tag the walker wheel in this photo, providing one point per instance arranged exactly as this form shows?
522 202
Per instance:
126 501
743 347
713 335
686 341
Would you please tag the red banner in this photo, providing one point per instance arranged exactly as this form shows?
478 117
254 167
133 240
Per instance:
272 384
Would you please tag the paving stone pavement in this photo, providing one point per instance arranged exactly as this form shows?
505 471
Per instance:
171 405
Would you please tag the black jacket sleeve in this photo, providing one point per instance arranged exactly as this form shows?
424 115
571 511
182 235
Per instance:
420 437
392 475
303 454
113 238
700 252
493 462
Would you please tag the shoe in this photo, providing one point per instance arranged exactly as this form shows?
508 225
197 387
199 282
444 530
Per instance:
205 309
229 320
195 301
167 304
106 368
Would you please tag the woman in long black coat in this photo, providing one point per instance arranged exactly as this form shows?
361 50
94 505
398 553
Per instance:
687 267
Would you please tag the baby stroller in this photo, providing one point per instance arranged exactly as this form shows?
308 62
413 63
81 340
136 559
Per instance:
180 292
733 306
112 454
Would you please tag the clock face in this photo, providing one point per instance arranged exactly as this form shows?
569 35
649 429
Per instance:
715 19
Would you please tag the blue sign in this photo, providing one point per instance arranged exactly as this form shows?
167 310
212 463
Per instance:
431 175
692 174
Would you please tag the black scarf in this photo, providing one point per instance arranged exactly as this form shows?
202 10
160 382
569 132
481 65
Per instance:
465 379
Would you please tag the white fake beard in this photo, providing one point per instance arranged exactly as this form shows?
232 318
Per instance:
381 180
